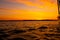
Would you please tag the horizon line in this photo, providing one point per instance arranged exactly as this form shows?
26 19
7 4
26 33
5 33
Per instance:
28 20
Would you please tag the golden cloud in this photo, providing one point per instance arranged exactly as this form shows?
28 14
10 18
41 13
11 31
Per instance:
44 9
37 3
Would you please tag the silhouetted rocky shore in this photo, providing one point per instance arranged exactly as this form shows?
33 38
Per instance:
11 31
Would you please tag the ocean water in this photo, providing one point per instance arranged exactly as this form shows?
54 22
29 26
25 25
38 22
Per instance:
29 30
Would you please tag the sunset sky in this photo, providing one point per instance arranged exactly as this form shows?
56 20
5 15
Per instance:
28 9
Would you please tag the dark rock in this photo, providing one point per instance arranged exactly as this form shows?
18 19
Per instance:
50 35
17 39
17 31
56 35
31 36
1 39
31 29
51 30
52 39
58 29
46 39
43 27
37 39
2 31
4 36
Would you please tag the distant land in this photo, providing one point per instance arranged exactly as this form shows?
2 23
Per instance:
29 20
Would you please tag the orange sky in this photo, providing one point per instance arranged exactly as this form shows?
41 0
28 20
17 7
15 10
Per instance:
28 9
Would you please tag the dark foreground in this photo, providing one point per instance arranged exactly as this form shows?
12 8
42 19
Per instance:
29 30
